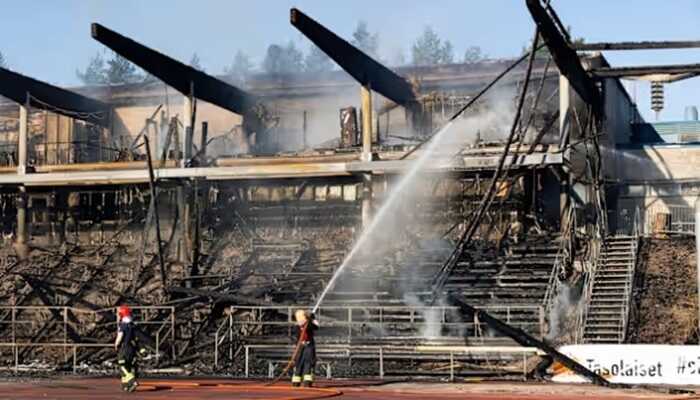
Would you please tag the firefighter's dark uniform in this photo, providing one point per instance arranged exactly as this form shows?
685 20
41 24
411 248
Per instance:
129 347
305 362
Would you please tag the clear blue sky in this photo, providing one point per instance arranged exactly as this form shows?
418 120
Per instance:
50 39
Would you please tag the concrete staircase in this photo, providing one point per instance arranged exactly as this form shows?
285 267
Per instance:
510 286
608 308
389 306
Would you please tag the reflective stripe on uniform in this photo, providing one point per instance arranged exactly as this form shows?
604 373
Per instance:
127 376
296 379
308 378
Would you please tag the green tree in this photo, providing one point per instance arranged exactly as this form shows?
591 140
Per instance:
272 64
196 63
94 73
119 71
447 54
283 60
543 52
364 40
114 71
317 61
240 68
473 55
429 49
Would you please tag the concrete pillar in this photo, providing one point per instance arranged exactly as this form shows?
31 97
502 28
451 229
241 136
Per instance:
22 234
564 110
186 135
366 97
564 203
564 103
22 140
186 222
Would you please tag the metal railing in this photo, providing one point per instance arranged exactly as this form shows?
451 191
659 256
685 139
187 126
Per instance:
349 323
627 305
681 219
19 329
586 299
380 316
553 284
223 332
594 263
455 355
646 221
73 346
8 154
630 312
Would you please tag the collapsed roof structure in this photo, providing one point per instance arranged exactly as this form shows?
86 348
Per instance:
255 210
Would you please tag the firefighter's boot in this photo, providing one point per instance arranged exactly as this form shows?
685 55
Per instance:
128 379
132 386
308 380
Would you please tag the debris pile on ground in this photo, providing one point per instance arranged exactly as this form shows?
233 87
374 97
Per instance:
665 295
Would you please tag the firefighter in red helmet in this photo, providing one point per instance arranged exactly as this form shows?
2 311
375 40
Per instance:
129 344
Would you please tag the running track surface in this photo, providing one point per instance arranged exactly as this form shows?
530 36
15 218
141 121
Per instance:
185 389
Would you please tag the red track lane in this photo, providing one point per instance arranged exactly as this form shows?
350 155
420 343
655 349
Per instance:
180 389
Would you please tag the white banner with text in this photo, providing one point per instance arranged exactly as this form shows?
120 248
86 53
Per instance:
633 363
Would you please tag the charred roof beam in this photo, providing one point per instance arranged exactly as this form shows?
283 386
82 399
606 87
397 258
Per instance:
25 90
620 72
180 76
367 71
644 45
564 55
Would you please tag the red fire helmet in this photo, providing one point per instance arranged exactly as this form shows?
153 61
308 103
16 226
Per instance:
123 311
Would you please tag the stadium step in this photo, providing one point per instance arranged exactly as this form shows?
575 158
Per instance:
608 307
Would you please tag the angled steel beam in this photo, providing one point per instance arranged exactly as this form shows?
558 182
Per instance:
180 76
644 45
565 56
525 339
22 89
367 71
618 72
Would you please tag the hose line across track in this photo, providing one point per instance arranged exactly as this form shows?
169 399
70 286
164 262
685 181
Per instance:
241 390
